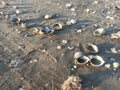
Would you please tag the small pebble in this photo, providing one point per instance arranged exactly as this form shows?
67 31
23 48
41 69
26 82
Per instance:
112 59
75 67
87 10
119 78
15 7
73 9
115 65
59 47
21 47
21 89
95 2
64 41
79 31
18 11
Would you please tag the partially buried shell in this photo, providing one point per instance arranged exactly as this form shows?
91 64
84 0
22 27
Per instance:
43 30
48 16
14 20
24 26
57 26
77 55
115 65
81 60
91 48
99 32
97 61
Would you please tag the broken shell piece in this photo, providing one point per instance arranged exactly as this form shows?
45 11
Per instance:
115 65
72 83
113 50
57 26
97 61
35 30
73 21
43 30
14 20
73 9
24 26
87 10
77 55
4 3
70 47
110 18
115 35
15 7
59 47
107 66
81 60
64 41
68 5
99 32
91 48
48 16
95 2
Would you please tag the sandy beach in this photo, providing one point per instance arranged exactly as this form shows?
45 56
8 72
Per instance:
31 61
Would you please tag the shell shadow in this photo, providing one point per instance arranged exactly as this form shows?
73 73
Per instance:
77 26
104 48
95 78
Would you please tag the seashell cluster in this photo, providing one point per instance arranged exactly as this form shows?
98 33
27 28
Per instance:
94 60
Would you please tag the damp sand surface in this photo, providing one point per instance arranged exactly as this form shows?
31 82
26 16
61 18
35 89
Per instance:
40 65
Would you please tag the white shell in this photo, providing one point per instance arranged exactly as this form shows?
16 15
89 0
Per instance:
64 41
97 59
95 2
87 10
91 48
73 21
68 5
59 47
107 66
18 11
48 16
70 47
81 60
115 65
78 54
99 32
